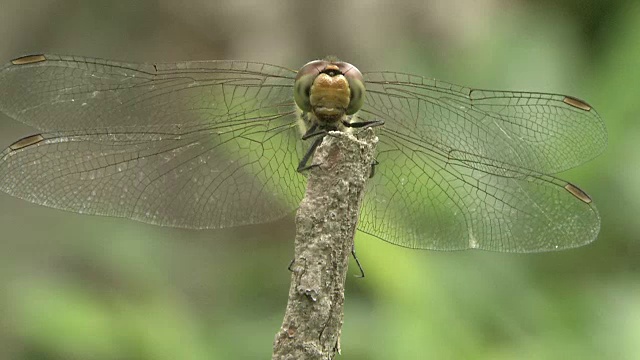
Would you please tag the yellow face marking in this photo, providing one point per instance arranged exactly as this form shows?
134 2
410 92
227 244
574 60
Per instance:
329 96
29 59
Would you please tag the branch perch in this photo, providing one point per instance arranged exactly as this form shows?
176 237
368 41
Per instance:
326 223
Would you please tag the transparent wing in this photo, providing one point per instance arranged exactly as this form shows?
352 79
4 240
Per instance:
193 144
462 168
214 144
541 133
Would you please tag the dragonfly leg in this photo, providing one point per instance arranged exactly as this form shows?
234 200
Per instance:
363 124
313 131
353 252
373 168
303 163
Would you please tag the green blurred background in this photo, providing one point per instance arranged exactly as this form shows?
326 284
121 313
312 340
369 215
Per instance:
81 287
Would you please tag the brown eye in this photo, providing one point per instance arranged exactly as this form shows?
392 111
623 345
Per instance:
356 84
302 85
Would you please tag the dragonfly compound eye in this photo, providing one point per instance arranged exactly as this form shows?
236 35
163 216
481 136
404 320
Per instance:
356 84
302 85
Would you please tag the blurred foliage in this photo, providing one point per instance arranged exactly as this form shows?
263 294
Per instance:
78 287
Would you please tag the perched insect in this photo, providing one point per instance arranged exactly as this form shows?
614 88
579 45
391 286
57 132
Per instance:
215 144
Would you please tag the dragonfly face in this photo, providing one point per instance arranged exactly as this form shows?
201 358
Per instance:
214 144
329 90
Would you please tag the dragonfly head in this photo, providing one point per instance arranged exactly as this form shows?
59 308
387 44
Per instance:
329 89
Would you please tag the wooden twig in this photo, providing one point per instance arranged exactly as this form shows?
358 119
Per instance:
326 224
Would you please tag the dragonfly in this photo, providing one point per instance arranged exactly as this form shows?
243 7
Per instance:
214 144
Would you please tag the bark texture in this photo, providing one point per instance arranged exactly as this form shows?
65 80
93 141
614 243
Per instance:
326 224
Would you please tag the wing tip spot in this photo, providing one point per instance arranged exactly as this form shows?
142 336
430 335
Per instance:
29 59
575 102
26 141
577 192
